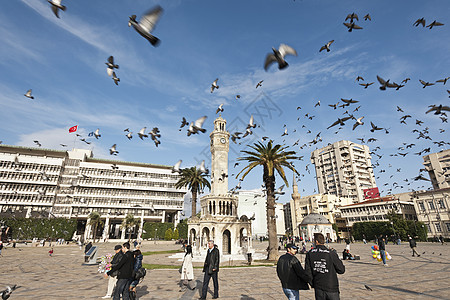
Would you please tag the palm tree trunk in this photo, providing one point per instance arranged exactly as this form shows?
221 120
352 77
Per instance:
272 252
194 202
129 235
95 231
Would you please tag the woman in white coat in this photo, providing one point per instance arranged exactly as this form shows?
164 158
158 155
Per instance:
187 271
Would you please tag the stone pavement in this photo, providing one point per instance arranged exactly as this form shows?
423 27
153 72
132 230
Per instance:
64 277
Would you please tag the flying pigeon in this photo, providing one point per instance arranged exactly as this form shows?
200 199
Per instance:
326 46
340 122
419 21
220 108
97 133
349 101
111 66
384 83
425 84
183 123
196 126
6 293
214 85
202 168
444 81
115 78
147 24
359 78
358 122
112 150
129 135
279 191
374 127
438 109
367 17
56 6
317 104
142 133
238 97
176 167
368 287
259 83
37 143
351 17
434 23
278 56
366 85
28 94
352 26
251 123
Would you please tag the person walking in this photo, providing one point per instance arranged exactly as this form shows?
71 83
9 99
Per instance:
187 270
323 265
138 257
291 274
382 248
1 247
413 245
113 277
125 268
211 268
50 253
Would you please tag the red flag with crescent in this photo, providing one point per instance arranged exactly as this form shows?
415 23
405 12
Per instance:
73 128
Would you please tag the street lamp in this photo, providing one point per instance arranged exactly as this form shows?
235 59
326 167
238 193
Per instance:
156 229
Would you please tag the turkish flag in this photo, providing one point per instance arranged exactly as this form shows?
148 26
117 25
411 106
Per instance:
73 128
371 193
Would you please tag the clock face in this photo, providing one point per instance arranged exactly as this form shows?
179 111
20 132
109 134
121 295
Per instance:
223 140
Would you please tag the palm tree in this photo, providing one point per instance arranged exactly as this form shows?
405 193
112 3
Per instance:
128 223
270 158
196 181
94 220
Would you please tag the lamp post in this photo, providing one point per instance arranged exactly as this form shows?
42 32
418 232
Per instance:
156 229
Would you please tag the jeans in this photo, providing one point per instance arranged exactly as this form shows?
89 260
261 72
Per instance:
122 288
323 295
292 294
383 256
206 282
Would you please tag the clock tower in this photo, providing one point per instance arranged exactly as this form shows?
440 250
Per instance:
220 139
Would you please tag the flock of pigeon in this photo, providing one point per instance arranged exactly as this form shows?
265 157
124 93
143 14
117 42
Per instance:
145 27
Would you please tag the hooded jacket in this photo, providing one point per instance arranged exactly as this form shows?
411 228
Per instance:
291 273
323 265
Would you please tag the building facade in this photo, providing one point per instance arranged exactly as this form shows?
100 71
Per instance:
377 210
219 220
37 182
344 169
438 167
433 209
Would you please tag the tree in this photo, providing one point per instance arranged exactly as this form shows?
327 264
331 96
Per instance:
128 223
175 234
168 234
271 158
196 181
94 220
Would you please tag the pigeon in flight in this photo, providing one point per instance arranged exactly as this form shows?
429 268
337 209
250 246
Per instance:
259 84
111 66
399 109
238 97
425 84
251 123
279 191
366 85
349 101
219 109
444 81
115 78
438 109
374 127
352 26
326 46
63 145
112 150
176 167
367 17
183 123
235 136
351 17
419 22
359 78
56 6
202 168
358 122
6 293
28 94
196 126
37 143
384 83
214 85
434 23
278 56
129 135
97 133
147 24
340 122
317 104
368 287
142 133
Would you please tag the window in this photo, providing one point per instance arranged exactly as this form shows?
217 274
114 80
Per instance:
438 227
428 228
448 226
421 205
431 205
441 204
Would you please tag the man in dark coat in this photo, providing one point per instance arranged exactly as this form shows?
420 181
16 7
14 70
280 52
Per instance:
413 245
113 277
323 265
291 274
125 268
211 268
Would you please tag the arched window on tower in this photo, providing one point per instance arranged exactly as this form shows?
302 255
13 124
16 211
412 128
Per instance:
220 207
231 208
214 207
210 209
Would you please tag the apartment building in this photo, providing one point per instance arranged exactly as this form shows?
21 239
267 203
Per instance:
344 169
37 182
438 167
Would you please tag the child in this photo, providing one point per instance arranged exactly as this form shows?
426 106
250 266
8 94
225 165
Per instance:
50 253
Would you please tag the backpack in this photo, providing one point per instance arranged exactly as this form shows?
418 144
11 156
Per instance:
140 273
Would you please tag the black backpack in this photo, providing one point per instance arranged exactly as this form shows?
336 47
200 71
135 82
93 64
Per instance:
140 273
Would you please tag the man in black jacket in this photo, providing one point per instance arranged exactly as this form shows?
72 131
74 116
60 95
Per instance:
125 268
291 274
113 278
211 268
413 245
321 265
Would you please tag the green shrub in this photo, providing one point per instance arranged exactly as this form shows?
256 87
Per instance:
152 229
168 234
29 228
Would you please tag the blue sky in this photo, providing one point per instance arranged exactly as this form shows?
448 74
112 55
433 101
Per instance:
62 60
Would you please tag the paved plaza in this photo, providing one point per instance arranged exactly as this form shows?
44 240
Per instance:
64 277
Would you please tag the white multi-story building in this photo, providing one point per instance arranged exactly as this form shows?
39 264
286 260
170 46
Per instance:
252 203
344 169
438 167
433 209
37 182
377 210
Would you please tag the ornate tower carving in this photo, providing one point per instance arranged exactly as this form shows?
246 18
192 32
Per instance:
219 157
